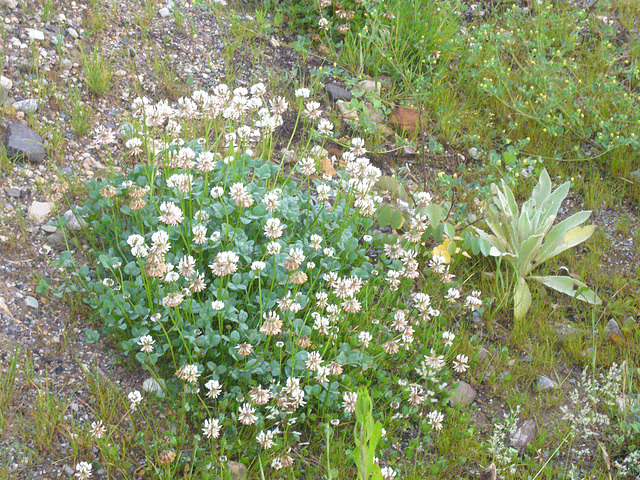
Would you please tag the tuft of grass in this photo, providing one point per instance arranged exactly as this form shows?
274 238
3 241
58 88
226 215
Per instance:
80 113
97 72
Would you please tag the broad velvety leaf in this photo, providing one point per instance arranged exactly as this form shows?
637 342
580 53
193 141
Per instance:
521 299
559 238
569 286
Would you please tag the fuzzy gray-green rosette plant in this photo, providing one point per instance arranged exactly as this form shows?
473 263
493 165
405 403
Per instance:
527 238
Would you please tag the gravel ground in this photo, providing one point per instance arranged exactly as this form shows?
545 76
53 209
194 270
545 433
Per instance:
42 59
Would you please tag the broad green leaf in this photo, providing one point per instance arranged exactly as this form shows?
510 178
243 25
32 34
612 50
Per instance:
449 230
433 213
542 190
556 236
392 185
569 286
521 299
528 253
552 204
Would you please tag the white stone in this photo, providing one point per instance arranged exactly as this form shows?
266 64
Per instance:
30 105
34 34
152 385
164 12
72 221
370 86
72 32
31 302
5 82
40 211
9 3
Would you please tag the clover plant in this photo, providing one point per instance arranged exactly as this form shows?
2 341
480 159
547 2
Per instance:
263 297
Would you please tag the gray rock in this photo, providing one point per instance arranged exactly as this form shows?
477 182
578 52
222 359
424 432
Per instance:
545 383
56 239
49 228
338 93
12 192
564 330
164 12
39 211
480 420
237 470
9 3
35 34
635 175
21 142
5 86
26 66
30 105
31 302
613 328
482 353
73 222
370 86
73 33
66 64
464 395
524 435
408 150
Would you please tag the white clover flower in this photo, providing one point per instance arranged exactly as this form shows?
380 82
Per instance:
460 364
365 338
324 191
323 23
135 398
273 248
312 110
211 428
273 228
98 430
83 470
213 388
246 414
271 200
265 439
225 263
172 214
189 373
316 241
435 419
303 93
146 343
258 266
452 295
325 127
259 89
349 400
135 240
217 192
448 338
388 473
217 305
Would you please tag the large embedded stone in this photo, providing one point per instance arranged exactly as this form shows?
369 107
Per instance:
23 143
